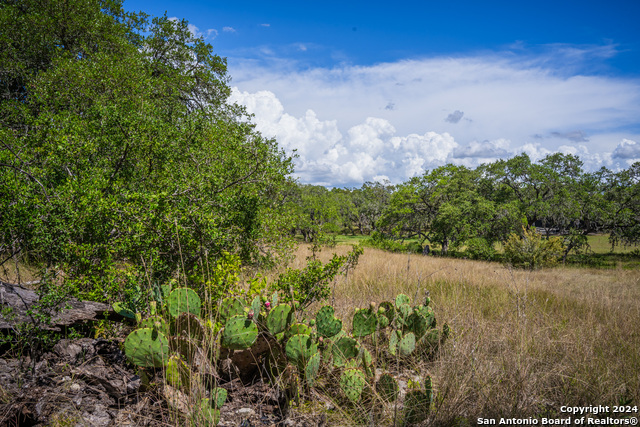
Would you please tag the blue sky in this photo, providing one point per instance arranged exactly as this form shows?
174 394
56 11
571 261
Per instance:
382 90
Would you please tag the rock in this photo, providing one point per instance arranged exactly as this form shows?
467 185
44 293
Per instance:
247 412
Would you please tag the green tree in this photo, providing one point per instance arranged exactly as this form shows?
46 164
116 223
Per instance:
622 191
119 148
315 210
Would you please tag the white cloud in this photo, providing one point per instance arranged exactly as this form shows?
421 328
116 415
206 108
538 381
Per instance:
373 150
628 151
396 119
208 34
228 29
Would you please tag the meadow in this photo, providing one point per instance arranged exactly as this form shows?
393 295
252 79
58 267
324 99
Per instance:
523 343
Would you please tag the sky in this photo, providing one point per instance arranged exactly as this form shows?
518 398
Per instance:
374 91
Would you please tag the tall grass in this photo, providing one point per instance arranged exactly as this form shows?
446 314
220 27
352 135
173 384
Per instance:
524 343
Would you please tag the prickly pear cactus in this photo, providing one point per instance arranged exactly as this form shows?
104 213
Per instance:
219 396
278 318
352 382
188 325
147 348
387 387
327 324
394 339
407 344
402 299
403 313
418 324
183 300
239 333
365 322
387 310
312 368
298 329
417 404
177 373
155 322
343 349
209 415
231 307
123 311
300 348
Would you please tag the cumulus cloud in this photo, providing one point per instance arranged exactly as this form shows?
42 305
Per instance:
353 123
454 117
627 150
368 151
228 29
508 96
374 149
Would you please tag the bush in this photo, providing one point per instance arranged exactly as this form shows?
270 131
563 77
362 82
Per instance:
532 251
480 248
380 241
414 247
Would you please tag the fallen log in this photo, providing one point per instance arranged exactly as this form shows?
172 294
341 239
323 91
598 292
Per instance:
17 301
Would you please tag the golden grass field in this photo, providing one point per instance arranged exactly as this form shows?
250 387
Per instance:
524 343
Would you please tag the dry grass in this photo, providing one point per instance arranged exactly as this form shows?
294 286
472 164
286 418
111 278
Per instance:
524 343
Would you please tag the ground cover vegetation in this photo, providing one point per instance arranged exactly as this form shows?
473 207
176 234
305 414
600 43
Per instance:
127 177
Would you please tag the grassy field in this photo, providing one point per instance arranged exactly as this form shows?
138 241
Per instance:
523 343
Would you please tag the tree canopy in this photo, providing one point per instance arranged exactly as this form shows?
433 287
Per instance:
120 156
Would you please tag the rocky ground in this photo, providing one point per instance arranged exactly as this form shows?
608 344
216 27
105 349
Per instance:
88 382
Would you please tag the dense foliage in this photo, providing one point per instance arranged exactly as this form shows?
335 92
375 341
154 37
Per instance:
120 158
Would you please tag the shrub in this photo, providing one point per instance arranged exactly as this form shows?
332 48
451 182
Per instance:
414 247
480 248
532 251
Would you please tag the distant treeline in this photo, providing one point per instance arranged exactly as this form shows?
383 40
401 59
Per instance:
455 206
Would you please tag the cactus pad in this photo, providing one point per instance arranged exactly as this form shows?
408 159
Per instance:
256 304
120 308
210 415
188 325
183 300
388 310
404 311
365 322
343 349
297 329
278 318
327 324
402 299
407 344
312 368
231 307
394 339
352 383
383 321
176 372
418 324
387 387
239 333
155 322
147 347
219 396
184 346
300 348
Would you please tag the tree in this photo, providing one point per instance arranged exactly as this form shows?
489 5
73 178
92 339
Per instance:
120 157
315 211
622 191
